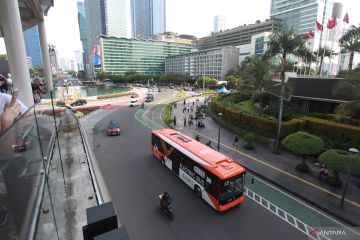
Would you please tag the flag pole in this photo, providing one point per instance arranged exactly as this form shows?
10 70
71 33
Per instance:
323 54
321 32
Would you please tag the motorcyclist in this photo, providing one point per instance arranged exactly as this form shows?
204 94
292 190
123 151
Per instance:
209 144
165 200
142 105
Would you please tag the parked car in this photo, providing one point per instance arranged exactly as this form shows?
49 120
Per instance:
113 128
133 103
20 145
79 102
60 104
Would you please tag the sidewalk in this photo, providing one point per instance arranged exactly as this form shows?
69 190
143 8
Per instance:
278 169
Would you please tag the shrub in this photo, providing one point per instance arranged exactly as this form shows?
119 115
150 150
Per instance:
249 138
339 131
338 160
304 144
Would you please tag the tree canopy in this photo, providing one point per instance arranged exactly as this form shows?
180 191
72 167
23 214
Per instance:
304 143
338 161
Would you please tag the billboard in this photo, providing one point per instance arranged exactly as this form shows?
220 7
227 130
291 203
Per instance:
96 56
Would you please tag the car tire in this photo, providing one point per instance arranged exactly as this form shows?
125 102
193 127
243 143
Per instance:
197 191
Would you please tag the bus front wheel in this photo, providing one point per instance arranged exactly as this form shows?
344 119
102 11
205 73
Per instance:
197 191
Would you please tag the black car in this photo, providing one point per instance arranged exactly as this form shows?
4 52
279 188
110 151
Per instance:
60 104
79 102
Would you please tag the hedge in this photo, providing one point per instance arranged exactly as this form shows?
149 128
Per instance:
115 95
261 125
333 130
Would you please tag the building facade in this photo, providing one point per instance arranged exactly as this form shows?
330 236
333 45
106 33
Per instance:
32 46
302 15
211 62
240 35
219 23
174 37
143 56
257 46
148 18
103 17
83 35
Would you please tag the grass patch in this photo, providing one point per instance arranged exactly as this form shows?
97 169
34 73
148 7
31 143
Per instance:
208 92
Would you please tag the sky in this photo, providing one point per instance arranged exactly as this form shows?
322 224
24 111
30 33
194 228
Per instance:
194 17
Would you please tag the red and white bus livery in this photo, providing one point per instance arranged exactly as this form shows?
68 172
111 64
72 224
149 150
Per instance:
213 176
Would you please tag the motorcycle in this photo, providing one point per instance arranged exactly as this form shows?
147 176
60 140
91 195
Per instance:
167 210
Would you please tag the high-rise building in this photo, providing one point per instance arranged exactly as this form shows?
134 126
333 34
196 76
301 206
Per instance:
148 18
121 55
240 35
83 34
32 45
302 15
104 17
219 23
79 60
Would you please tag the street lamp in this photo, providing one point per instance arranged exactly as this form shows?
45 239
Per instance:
218 146
353 155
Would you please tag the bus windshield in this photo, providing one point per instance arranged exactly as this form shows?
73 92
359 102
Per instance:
232 188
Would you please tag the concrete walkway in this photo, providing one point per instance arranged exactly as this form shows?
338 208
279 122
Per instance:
69 203
277 169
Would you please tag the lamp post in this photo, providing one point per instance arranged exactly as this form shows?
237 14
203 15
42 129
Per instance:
218 146
353 155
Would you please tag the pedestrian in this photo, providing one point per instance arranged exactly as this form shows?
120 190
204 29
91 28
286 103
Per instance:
192 108
170 110
324 171
184 109
209 144
184 121
236 140
193 103
197 138
188 110
184 102
174 120
175 105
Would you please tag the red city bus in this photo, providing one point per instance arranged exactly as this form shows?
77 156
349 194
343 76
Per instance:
213 176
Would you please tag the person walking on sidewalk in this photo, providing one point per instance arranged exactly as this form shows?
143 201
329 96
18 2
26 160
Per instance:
184 102
197 137
324 171
236 141
174 121
184 121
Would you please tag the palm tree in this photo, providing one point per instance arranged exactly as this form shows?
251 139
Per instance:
283 44
323 52
349 88
255 71
352 33
351 45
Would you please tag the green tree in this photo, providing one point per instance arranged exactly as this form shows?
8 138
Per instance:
351 45
323 52
255 72
352 33
283 44
234 81
338 161
81 75
304 144
205 80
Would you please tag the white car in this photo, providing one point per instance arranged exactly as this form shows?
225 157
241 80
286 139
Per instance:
196 94
133 103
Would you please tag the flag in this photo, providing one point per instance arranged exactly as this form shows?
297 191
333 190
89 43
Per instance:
346 18
319 26
331 23
310 34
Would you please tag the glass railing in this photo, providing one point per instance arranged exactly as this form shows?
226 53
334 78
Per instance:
25 149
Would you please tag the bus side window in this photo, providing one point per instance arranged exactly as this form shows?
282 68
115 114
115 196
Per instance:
212 185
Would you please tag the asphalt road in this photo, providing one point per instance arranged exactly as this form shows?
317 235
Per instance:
135 178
